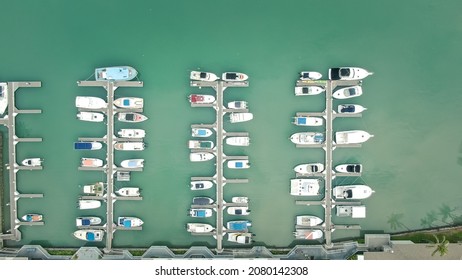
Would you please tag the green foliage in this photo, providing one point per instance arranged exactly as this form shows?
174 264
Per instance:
137 253
440 247
62 252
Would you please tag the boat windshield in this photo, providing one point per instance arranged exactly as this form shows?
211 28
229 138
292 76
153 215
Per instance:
130 117
348 194
305 90
203 75
344 72
231 76
351 92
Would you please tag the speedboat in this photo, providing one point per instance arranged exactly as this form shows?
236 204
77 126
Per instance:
92 235
96 189
352 192
306 138
131 117
89 102
352 137
350 109
129 146
309 168
91 162
308 121
201 99
348 92
304 187
308 221
89 204
200 213
201 132
32 162
234 76
32 218
201 185
238 141
132 163
310 75
203 76
201 156
348 73
87 221
238 164
129 222
128 191
90 116
240 237
240 199
202 200
238 210
198 144
237 105
308 90
88 145
3 97
351 211
199 228
238 225
129 102
240 117
131 133
115 73
349 168
308 234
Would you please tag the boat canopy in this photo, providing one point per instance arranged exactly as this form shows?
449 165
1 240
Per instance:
344 72
203 75
90 236
127 223
335 73
126 102
231 76
85 222
301 120
130 117
82 145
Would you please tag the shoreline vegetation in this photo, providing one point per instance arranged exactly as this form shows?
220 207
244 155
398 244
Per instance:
452 233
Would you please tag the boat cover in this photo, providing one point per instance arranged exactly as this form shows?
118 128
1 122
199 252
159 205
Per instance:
127 223
90 236
231 76
85 222
239 164
301 120
200 213
130 117
201 200
199 185
238 225
126 102
117 73
238 211
82 146
201 132
203 75
335 73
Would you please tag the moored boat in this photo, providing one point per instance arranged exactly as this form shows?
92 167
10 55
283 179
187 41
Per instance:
201 99
308 121
240 199
308 90
307 138
234 76
348 92
96 189
350 109
310 75
200 213
90 102
202 200
237 105
238 141
238 210
131 133
129 146
88 204
199 144
349 168
128 191
240 237
91 162
351 211
348 73
309 168
132 163
238 225
32 162
129 102
203 156
352 137
87 145
201 132
3 97
129 222
91 235
87 221
238 164
203 76
240 117
352 192
115 73
308 220
201 185
131 117
90 116
32 218
308 234
199 227
304 187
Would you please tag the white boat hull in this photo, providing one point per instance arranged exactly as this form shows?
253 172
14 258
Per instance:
129 222
238 211
310 75
309 168
234 76
132 163
308 90
131 117
307 138
348 92
201 185
304 187
349 168
200 213
201 99
237 105
131 133
90 116
238 164
238 141
88 102
194 157
240 238
240 117
350 109
128 191
129 102
201 132
351 211
94 221
308 121
89 204
308 221
199 228
240 199
32 162
129 146
352 137
348 73
203 76
83 235
308 234
352 192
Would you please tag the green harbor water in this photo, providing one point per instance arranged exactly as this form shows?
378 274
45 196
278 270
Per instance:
414 107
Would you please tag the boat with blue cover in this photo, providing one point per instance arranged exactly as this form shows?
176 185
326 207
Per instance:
87 221
238 225
92 235
200 213
32 218
129 222
129 102
87 145
307 121
306 138
115 73
201 132
238 164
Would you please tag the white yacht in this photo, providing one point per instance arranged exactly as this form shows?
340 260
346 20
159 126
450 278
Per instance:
348 92
350 109
308 90
308 234
129 102
91 162
308 121
91 235
89 102
131 117
352 192
132 163
201 132
304 187
307 138
234 76
352 137
201 185
32 162
351 211
128 191
240 237
309 168
202 200
89 204
87 145
115 73
308 220
199 144
87 221
200 212
240 199
129 146
349 168
96 189
237 105
238 210
240 117
199 227
203 76
238 141
202 156
131 133
90 116
238 164
129 222
310 75
348 73
201 99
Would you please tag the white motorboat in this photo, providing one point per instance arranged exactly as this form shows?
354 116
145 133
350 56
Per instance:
238 164
131 117
32 218
198 144
87 145
199 228
240 117
238 141
234 77
87 221
3 97
89 204
348 73
304 187
96 189
203 156
308 234
201 99
201 132
200 213
352 192
348 92
202 200
351 211
132 163
308 221
131 133
203 76
352 137
239 225
32 162
237 105
129 222
308 90
310 75
308 121
240 199
309 168
307 138
89 102
115 73
349 168
350 109
201 185
240 237
91 162
129 102
128 191
238 210
91 235
90 116
129 146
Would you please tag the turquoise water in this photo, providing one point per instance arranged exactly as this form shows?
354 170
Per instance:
413 162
